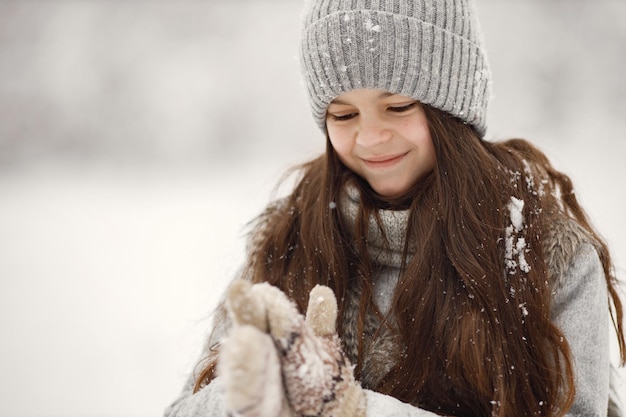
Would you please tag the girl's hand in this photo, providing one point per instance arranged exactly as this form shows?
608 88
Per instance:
249 365
317 376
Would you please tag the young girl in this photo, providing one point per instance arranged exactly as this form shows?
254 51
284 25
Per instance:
439 273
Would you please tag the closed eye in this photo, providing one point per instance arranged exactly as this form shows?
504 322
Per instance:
402 109
341 117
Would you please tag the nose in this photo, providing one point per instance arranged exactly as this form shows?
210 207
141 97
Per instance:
372 132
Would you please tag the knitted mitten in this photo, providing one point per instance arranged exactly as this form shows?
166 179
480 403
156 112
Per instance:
248 363
317 376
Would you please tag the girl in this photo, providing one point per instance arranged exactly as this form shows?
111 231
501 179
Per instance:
440 273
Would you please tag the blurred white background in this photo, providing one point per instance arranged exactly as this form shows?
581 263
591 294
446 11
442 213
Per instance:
137 138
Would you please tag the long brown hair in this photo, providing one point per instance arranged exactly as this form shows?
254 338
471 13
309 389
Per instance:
472 305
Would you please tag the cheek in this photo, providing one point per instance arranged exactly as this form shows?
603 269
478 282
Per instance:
418 132
421 138
418 128
340 143
426 144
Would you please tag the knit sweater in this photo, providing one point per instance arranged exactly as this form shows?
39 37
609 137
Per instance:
579 309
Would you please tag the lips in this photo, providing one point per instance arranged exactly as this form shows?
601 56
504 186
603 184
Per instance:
384 160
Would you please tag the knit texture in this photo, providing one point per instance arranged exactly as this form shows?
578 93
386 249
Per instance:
279 363
430 51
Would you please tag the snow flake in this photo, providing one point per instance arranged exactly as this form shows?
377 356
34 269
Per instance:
530 181
523 309
371 27
515 209
515 243
521 248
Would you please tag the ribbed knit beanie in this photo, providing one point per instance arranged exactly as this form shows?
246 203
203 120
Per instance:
429 50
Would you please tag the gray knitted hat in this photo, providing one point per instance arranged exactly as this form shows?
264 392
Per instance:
429 50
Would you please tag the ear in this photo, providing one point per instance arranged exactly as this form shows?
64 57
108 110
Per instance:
321 313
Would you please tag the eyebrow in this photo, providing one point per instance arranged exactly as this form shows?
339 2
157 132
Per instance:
382 95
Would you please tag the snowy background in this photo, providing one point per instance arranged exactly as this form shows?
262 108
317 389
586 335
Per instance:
137 138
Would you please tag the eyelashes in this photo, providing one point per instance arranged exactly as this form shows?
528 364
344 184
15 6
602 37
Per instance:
339 118
401 109
393 109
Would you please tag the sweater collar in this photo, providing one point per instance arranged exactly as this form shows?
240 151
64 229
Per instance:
393 225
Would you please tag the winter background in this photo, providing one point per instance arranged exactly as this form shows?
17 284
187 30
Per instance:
137 138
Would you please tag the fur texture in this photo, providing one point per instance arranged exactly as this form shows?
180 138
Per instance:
278 363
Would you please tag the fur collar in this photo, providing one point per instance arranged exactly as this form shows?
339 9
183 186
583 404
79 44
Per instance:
560 243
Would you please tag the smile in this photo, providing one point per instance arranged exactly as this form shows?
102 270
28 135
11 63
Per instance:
384 161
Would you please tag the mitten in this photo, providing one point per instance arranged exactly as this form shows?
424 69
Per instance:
248 363
317 376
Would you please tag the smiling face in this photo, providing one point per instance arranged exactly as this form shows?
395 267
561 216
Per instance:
383 138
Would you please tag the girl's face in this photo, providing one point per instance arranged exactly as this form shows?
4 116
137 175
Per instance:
383 138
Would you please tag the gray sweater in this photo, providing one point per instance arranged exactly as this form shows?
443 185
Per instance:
580 309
